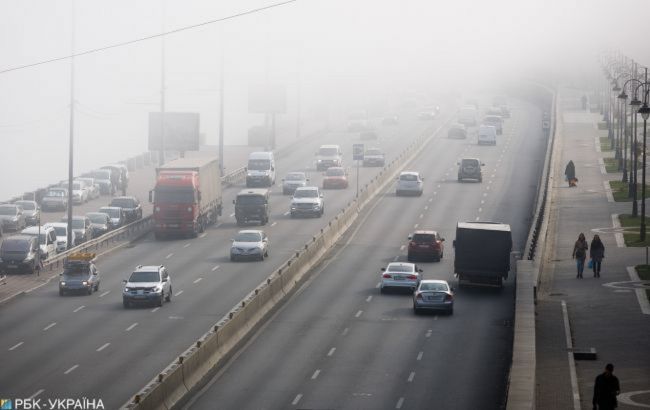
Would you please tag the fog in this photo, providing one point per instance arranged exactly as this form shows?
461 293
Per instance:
340 55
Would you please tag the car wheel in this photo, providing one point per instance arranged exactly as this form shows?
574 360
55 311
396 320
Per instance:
126 304
416 310
160 301
382 290
169 295
232 258
61 292
262 257
450 311
90 290
97 287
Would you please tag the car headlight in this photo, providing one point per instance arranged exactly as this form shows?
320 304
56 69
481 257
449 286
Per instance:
157 288
189 209
85 283
127 289
29 257
14 219
62 283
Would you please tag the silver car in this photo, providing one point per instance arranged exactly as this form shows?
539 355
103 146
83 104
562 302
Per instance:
12 217
31 210
409 183
400 275
433 294
307 201
91 186
249 244
147 284
292 181
55 198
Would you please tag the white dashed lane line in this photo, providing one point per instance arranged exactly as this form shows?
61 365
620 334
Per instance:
179 293
128 329
420 356
421 216
286 213
104 346
71 369
38 393
359 313
105 293
187 245
401 248
231 215
16 346
428 334
198 280
426 207
296 400
430 199
202 235
315 375
369 298
274 223
51 325
169 256
411 377
400 402
154 310
416 226
215 268
78 309
345 331
331 352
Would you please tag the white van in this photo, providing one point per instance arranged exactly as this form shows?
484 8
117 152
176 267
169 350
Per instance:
47 239
487 134
261 169
329 156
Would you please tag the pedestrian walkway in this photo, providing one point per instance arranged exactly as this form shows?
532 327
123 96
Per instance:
602 313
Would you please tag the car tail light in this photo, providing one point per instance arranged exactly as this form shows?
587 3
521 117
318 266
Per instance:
386 275
418 296
412 244
411 277
448 298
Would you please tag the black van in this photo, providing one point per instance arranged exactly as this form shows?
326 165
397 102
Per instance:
252 205
19 253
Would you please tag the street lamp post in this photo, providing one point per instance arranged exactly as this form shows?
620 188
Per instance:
635 103
645 113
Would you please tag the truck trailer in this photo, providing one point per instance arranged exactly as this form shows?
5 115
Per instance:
482 253
187 196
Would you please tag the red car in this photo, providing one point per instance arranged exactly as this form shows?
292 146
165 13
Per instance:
425 245
335 177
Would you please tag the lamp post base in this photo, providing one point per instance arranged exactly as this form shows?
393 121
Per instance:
624 179
635 209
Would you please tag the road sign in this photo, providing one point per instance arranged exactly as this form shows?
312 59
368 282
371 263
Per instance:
357 152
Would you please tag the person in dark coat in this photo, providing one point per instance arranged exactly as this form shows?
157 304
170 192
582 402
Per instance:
596 253
580 253
606 388
570 173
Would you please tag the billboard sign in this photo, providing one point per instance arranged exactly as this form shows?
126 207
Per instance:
357 152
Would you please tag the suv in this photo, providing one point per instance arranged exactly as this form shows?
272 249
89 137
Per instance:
328 156
494 120
425 244
130 206
307 201
47 239
55 198
31 211
61 229
470 168
409 182
19 253
292 181
252 204
79 274
147 284
81 227
12 217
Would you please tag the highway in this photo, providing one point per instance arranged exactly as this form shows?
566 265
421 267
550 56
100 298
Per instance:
91 346
339 343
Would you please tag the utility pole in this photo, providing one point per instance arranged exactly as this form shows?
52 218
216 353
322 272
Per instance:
221 97
161 159
71 126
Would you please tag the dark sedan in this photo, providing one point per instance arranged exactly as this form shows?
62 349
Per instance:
130 206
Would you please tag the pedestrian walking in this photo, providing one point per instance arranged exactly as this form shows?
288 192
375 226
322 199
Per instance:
570 173
606 388
580 254
596 253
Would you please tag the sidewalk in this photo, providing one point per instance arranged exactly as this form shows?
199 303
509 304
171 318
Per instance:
600 315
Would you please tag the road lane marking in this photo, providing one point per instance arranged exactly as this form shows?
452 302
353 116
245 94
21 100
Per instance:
202 235
179 293
233 214
482 201
400 402
426 207
420 356
378 284
128 329
16 346
198 280
286 213
296 400
484 193
187 245
430 199
105 293
36 394
274 223
421 216
51 325
401 248
104 346
215 268
411 376
315 375
345 331
416 226
154 310
369 298
169 256
78 309
480 210
429 332
71 369
331 352
395 258
359 313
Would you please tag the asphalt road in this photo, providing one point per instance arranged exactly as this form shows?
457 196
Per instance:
90 346
339 343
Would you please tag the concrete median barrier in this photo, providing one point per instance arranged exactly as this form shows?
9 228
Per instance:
173 385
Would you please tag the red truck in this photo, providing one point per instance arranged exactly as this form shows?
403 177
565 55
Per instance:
187 196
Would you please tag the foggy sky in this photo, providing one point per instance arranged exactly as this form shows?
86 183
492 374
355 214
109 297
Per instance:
341 52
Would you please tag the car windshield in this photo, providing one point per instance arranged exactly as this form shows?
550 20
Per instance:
27 205
436 287
175 195
248 237
373 152
56 192
101 174
76 186
295 177
400 268
76 269
328 152
7 210
306 193
78 223
15 245
408 177
423 238
123 203
98 218
61 230
469 163
259 164
250 200
334 172
145 277
111 212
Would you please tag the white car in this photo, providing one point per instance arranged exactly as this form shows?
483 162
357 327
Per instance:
249 244
61 229
91 186
487 134
409 183
400 275
307 201
79 192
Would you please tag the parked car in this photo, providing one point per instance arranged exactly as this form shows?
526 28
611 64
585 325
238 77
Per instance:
100 223
470 168
457 130
409 183
130 206
61 229
115 214
147 284
400 275
292 181
118 176
91 186
46 239
433 295
249 244
55 199
31 210
103 178
19 253
81 227
307 201
335 177
425 244
12 217
80 275
79 191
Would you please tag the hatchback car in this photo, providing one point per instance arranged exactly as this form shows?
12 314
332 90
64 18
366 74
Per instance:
400 275
433 295
470 168
31 211
409 183
19 253
249 244
457 131
61 229
307 201
81 227
12 217
335 177
147 284
100 223
292 181
130 205
115 214
425 245
80 275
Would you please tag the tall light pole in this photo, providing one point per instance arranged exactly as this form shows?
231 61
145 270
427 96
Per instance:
221 119
645 113
161 159
71 126
635 103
